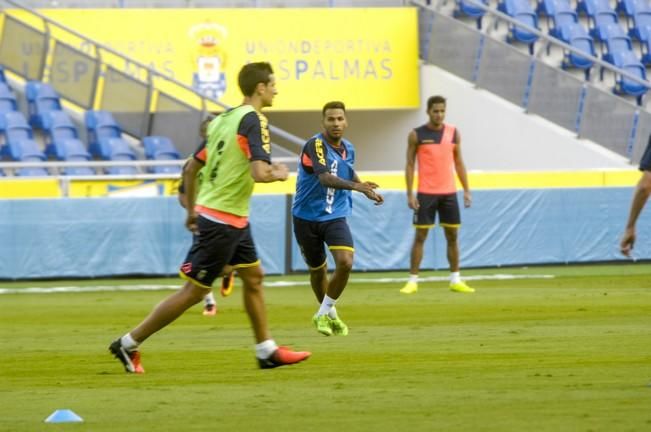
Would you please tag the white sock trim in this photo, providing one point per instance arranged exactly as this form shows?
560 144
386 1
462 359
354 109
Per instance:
413 278
326 305
264 349
455 277
209 299
128 342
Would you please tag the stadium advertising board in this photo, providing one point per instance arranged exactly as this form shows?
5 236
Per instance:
366 57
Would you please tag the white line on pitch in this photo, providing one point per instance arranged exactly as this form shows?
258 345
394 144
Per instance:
112 288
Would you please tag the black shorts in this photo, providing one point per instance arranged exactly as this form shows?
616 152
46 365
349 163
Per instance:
312 235
446 206
215 246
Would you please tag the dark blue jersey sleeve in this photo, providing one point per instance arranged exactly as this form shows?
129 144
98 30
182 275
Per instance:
314 156
253 137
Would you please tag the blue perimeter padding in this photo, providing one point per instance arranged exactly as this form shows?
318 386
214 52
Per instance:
96 237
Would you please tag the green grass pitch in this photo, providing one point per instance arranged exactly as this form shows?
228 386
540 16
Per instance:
572 353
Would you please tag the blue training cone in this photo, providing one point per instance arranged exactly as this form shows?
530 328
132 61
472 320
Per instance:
63 416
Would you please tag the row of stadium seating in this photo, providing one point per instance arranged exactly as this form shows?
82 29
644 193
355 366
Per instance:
604 29
62 139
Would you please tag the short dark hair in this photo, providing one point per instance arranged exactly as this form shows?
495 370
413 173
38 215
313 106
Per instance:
435 100
203 129
253 74
333 105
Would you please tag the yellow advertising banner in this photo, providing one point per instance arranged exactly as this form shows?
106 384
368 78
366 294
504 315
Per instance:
367 58
12 188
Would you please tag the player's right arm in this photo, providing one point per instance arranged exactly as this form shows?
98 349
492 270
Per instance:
412 146
640 197
190 171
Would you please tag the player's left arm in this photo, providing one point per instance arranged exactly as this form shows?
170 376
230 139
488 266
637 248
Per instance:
255 141
332 181
460 168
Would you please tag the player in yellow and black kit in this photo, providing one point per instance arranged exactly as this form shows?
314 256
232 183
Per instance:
228 281
236 156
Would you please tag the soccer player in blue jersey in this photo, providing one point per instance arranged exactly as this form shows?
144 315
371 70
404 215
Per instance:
322 202
640 197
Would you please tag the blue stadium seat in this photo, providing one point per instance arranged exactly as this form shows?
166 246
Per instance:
629 8
20 145
7 99
549 8
592 7
520 10
561 19
641 26
619 52
465 9
58 127
605 25
14 127
155 145
41 99
28 151
74 151
3 78
101 126
161 148
119 150
600 15
576 36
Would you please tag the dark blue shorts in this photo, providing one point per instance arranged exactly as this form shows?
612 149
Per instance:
446 206
311 237
215 246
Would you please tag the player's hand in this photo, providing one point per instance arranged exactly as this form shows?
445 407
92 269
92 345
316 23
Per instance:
367 189
191 222
373 185
412 202
467 199
281 172
627 243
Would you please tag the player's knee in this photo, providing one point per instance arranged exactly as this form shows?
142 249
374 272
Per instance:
194 293
345 263
451 236
252 277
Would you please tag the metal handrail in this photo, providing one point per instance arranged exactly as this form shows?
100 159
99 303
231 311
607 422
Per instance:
549 39
106 164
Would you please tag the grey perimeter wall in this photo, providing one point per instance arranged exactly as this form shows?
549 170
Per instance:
496 135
